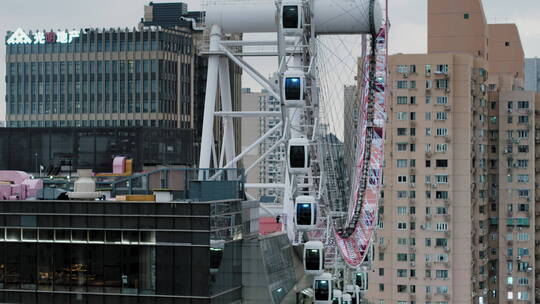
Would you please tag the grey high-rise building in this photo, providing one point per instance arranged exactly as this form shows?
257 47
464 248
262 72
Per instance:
532 74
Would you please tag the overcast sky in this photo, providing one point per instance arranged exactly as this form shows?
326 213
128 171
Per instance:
408 18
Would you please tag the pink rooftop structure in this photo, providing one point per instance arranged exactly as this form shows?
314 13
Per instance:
18 185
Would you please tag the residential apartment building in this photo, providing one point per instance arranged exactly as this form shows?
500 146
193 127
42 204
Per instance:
458 209
268 170
532 74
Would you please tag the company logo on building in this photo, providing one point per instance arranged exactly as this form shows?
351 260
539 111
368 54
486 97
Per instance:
20 37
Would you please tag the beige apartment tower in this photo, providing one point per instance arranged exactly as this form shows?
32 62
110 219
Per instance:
457 222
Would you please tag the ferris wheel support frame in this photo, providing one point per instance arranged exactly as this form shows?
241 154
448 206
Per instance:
295 53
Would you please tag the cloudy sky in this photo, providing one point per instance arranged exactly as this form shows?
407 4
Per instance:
408 19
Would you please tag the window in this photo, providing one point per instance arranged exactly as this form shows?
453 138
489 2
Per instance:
402 288
427 116
427 242
428 132
523 251
441 148
442 100
401 194
442 210
402 100
442 226
402 257
402 115
523 281
428 163
402 163
523 192
402 84
523 149
442 68
402 241
428 69
381 287
522 119
523 237
441 163
441 274
401 131
442 116
441 179
381 272
428 99
413 99
441 257
402 147
441 83
413 116
523 104
412 85
509 134
440 242
402 273
442 132
402 179
441 194
523 163
403 69
523 295
466 16
402 226
442 289
523 134
412 131
523 178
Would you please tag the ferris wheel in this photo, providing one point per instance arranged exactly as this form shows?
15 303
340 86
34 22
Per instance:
335 224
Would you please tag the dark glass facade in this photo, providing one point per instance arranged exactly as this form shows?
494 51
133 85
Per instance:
26 149
102 78
109 252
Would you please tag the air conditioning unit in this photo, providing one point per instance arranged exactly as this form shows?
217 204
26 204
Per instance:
434 185
447 249
518 258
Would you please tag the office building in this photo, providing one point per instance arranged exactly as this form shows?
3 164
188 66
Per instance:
61 151
126 252
149 76
457 215
113 77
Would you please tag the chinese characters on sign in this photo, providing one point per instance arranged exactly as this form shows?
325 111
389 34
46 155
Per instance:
20 37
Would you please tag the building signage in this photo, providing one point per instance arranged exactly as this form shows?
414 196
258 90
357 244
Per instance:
20 37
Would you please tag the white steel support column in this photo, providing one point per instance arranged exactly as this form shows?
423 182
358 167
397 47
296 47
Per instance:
226 105
207 137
